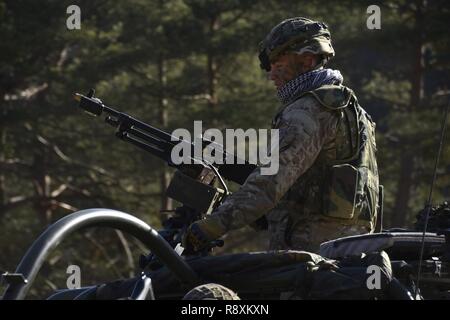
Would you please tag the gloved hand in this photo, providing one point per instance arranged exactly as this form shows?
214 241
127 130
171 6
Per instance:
200 233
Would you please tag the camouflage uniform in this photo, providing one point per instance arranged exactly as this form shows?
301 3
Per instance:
313 137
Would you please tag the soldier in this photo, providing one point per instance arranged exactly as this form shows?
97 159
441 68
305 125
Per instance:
327 183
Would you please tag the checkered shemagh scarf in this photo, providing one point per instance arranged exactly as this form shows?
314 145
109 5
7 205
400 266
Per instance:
308 81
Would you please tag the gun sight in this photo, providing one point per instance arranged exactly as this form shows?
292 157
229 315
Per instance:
91 105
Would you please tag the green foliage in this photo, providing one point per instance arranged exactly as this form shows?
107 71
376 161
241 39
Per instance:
170 63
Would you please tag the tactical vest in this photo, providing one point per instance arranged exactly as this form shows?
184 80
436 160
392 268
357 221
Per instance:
345 187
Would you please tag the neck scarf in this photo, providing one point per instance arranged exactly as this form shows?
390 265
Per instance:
308 81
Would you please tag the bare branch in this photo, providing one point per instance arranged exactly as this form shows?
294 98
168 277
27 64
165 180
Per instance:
27 93
127 249
15 202
64 157
63 205
104 252
58 191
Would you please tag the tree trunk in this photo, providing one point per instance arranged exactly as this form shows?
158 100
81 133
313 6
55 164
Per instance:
401 205
42 186
212 67
417 88
166 203
405 182
2 159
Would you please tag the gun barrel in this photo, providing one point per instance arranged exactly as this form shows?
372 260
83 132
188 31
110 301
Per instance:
156 141
91 105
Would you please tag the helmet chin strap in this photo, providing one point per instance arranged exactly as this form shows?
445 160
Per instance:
322 62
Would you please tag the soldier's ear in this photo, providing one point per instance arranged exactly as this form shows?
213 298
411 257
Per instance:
310 60
305 61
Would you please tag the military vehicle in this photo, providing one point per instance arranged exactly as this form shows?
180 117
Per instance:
390 264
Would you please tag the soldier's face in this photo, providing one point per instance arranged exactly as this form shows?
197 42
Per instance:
288 66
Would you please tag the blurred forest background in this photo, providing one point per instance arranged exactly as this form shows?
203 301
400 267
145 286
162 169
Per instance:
169 63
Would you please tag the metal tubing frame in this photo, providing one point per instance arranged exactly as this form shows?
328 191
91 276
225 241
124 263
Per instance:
32 261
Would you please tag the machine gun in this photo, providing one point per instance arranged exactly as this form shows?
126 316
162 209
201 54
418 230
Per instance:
193 184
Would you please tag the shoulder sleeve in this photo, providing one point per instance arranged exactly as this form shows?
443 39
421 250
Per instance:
303 128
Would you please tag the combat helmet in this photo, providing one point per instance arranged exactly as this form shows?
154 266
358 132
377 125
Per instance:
296 35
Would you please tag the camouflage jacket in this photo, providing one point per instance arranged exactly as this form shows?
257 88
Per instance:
319 131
